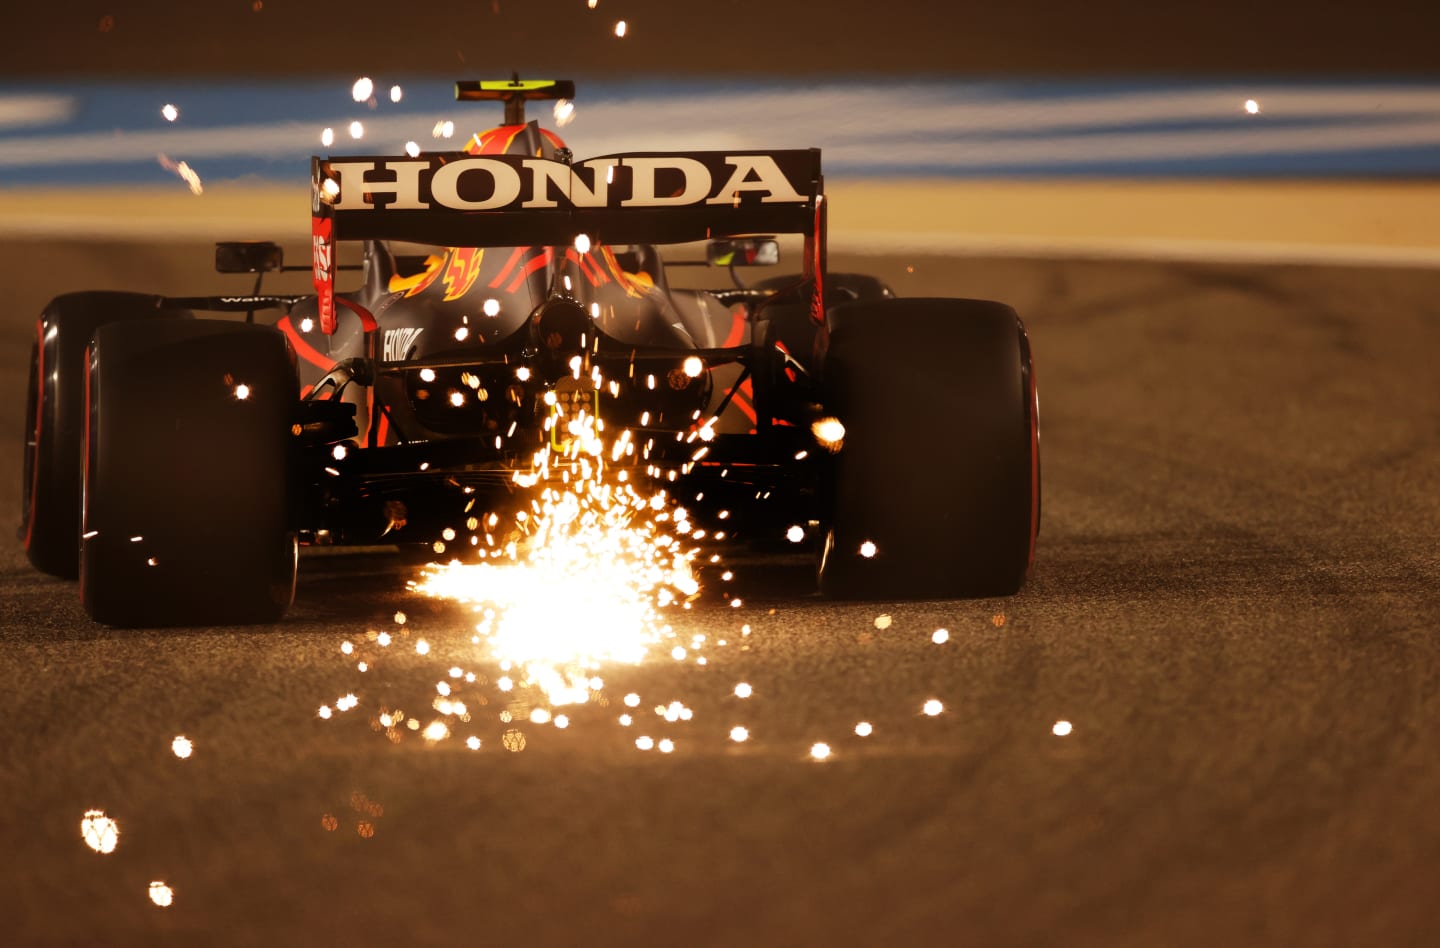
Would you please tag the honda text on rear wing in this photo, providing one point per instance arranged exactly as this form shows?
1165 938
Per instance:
462 200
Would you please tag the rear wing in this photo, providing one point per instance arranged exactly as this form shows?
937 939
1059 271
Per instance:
457 199
464 200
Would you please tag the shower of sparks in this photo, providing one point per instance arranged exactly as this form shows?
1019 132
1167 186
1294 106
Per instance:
100 832
1061 728
182 747
161 894
604 541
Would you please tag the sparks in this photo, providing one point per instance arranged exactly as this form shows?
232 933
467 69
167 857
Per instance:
940 636
620 28
170 112
864 729
602 541
1061 728
161 894
362 89
100 832
182 746
829 433
932 707
820 751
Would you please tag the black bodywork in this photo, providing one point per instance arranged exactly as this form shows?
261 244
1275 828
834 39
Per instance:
451 365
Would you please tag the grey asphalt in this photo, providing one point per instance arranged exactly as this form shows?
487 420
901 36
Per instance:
1235 605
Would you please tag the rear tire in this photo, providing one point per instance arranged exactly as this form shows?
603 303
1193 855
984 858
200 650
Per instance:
187 483
939 468
54 420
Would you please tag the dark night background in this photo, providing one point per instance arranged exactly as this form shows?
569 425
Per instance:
253 39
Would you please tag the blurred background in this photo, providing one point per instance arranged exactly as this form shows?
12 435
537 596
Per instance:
1272 131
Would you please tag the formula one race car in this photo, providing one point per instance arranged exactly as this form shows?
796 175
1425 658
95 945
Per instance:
175 463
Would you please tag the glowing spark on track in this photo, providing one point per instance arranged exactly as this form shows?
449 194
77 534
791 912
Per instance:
864 729
182 746
161 894
820 751
743 690
940 636
1061 728
739 734
867 549
100 832
932 707
621 28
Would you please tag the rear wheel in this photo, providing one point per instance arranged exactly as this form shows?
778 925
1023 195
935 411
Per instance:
54 420
936 486
187 478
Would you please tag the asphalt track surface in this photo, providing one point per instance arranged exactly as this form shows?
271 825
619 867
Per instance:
1235 604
